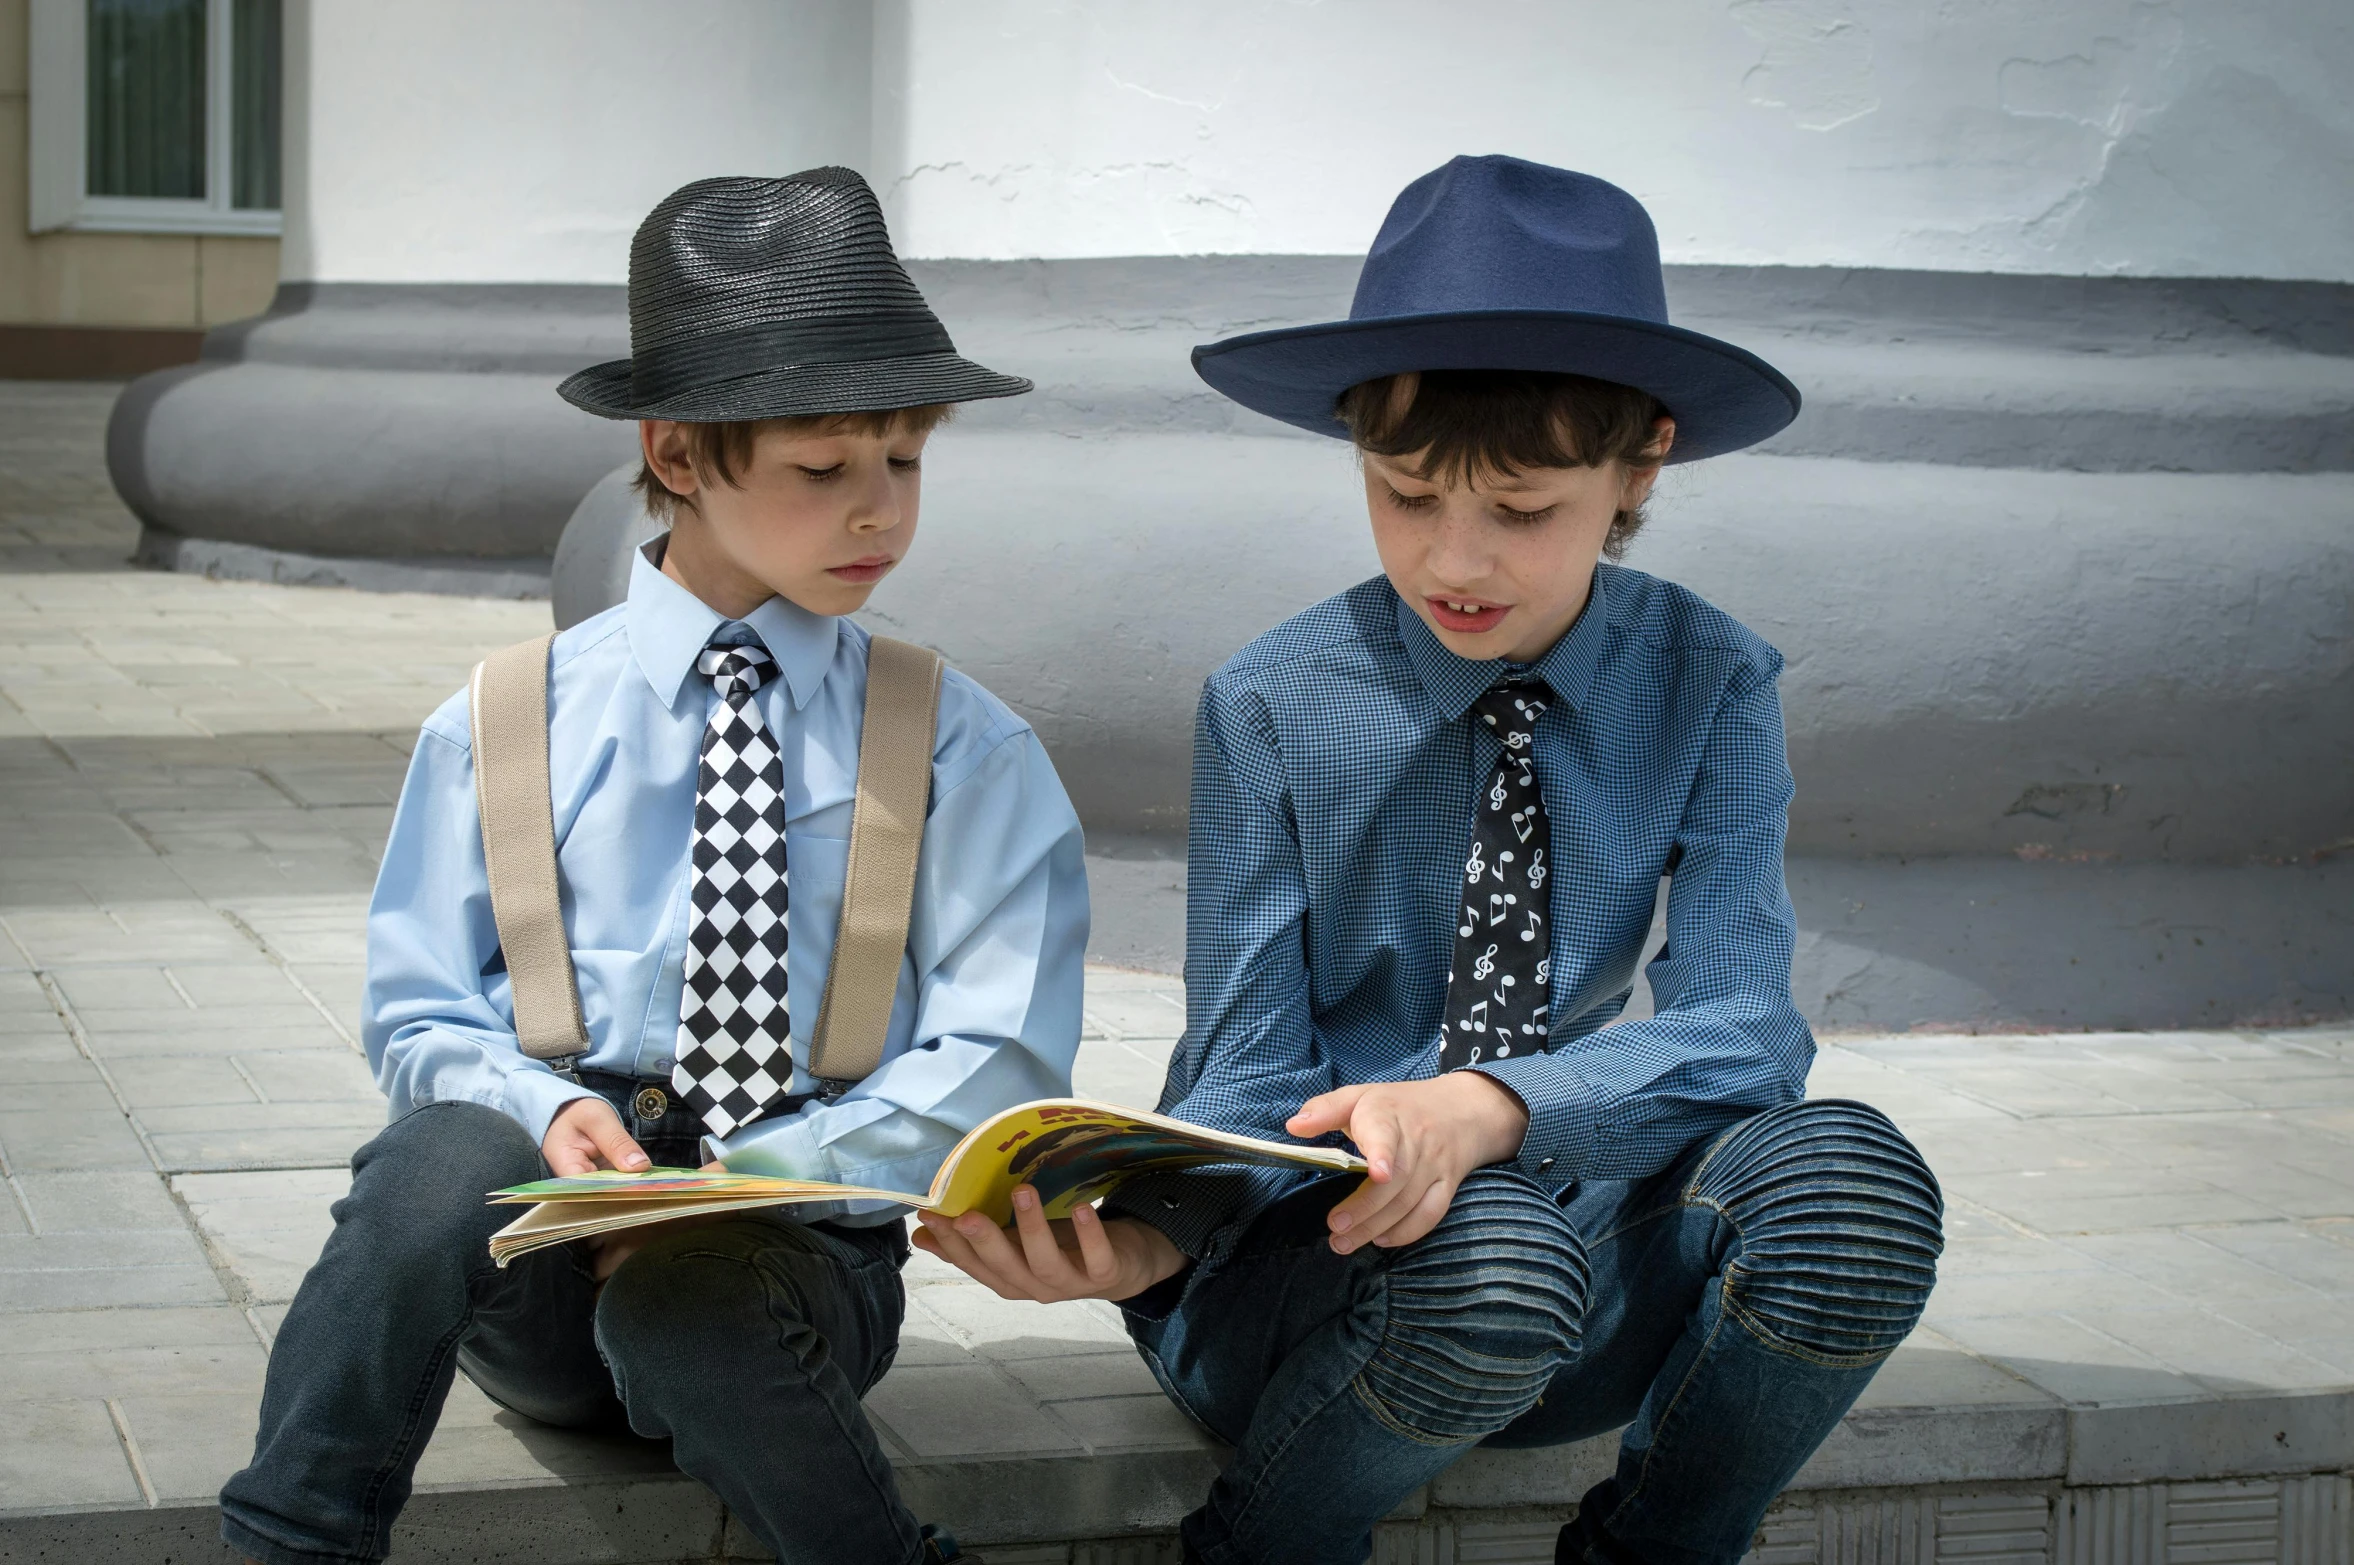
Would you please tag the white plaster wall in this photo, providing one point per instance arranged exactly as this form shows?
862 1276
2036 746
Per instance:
2189 137
523 140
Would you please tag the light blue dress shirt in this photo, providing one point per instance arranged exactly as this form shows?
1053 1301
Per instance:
987 1014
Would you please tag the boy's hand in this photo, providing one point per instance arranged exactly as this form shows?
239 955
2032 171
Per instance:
587 1136
1079 1257
1419 1138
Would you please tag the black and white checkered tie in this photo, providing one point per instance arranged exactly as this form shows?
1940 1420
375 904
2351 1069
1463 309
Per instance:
734 1033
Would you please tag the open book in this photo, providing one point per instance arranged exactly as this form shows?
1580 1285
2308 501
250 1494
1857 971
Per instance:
1068 1149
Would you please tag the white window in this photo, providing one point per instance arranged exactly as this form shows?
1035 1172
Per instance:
155 116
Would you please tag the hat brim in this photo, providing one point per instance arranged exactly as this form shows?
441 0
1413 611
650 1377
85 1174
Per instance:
797 390
1722 397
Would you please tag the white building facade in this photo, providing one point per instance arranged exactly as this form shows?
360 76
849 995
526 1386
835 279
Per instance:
2061 551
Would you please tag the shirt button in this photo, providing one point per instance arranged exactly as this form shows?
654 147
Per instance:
665 1064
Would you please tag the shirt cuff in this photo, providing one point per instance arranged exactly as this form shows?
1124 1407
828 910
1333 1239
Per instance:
535 1095
1188 1208
783 1149
1562 1114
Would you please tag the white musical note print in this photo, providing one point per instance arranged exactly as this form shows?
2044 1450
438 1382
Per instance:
1499 987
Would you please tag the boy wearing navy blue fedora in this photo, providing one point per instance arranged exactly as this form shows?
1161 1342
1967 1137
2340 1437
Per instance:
1430 819
704 754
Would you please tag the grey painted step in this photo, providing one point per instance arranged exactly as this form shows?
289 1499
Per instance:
372 419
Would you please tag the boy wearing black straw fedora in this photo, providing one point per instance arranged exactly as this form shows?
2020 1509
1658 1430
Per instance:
1430 819
641 990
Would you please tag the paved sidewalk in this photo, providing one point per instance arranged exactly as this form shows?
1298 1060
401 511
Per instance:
2149 1290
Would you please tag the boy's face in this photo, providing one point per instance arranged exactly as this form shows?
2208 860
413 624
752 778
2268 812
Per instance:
818 518
1497 567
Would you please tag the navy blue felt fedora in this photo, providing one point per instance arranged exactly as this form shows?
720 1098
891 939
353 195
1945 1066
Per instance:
1499 263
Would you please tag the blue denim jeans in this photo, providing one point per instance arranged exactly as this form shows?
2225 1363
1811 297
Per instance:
1726 1312
746 1343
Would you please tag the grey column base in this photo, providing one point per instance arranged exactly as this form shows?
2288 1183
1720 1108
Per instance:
449 575
1959 944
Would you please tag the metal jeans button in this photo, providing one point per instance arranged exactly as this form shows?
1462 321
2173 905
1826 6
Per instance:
650 1103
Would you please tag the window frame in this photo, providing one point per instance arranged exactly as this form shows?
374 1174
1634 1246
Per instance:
58 189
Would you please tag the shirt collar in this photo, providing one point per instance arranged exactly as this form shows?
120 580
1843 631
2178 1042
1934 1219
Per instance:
669 627
1567 667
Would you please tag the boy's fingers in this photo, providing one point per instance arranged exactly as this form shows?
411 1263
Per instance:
1367 1211
1420 1218
996 1251
1095 1246
957 1250
614 1145
1047 1262
568 1158
1326 1112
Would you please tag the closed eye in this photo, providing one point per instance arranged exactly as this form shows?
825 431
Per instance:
906 464
820 475
1514 518
1413 502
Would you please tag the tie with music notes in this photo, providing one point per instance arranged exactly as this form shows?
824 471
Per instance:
1499 984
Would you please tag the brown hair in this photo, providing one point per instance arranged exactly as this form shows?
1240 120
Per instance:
1465 425
724 451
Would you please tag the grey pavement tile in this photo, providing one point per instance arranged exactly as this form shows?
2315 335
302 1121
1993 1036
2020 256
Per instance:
221 1368
964 1410
70 1138
1135 1010
2188 1264
111 1331
1988 1257
142 1249
112 1202
1135 1423
314 1076
2071 1361
1083 1375
190 1443
923 1339
119 1287
267 1228
321 1147
1933 1371
190 1081
1963 1147
1112 1072
112 1046
63 1453
2220 1354
128 933
2059 1210
2321 1326
2306 1251
2027 1293
1016 1328
40 1063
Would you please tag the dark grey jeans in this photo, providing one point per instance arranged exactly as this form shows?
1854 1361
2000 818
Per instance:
746 1343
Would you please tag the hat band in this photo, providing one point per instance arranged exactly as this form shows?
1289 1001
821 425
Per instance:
682 366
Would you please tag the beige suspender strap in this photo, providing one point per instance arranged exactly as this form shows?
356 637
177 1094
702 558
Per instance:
886 834
509 704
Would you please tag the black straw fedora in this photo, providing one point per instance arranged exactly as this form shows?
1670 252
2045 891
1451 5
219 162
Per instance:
776 298
1498 263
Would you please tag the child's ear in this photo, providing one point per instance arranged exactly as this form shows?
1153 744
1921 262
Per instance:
664 444
1636 477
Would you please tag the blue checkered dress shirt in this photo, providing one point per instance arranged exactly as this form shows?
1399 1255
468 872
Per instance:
1334 778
